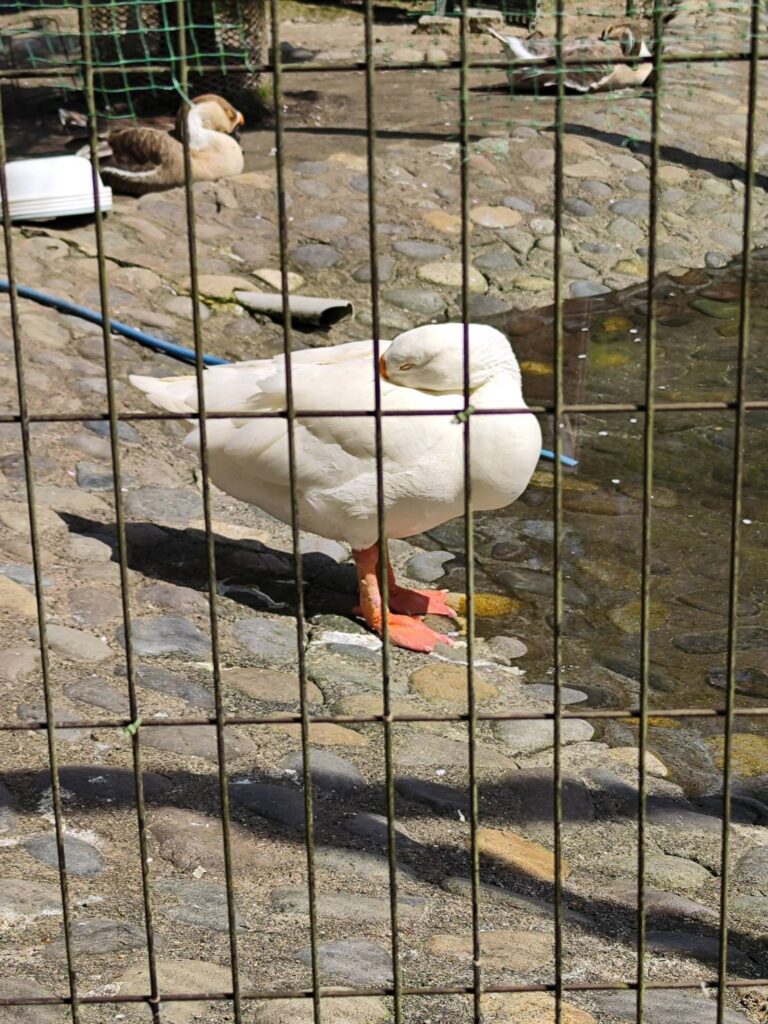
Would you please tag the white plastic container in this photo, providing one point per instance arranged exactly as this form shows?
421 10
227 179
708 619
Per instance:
53 186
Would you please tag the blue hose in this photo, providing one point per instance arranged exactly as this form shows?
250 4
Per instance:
168 348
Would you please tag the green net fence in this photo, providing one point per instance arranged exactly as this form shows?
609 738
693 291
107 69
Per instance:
137 47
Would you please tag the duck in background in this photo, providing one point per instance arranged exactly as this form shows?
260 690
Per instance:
139 159
616 42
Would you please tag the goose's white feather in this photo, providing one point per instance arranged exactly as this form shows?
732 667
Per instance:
336 455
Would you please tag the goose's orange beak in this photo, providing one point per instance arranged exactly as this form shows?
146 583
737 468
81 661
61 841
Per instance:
383 368
240 120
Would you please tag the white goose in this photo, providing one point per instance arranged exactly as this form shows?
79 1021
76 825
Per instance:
336 456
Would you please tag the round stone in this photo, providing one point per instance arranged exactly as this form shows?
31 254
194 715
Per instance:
428 566
167 634
597 189
495 216
547 244
637 183
519 203
635 209
75 645
416 300
587 289
327 222
715 259
315 257
267 639
385 267
526 736
451 275
313 188
329 771
418 250
497 260
542 226
579 207
80 857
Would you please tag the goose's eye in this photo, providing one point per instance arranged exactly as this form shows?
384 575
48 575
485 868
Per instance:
405 366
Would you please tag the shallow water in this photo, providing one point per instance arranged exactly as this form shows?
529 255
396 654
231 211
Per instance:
693 465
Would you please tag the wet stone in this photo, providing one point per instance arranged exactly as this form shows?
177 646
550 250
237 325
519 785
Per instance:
198 741
21 900
586 289
315 257
356 962
526 736
167 634
329 771
163 504
283 804
428 566
715 260
153 677
81 858
202 904
96 936
271 640
751 682
434 794
416 300
418 250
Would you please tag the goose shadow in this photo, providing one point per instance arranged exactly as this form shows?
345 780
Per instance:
248 572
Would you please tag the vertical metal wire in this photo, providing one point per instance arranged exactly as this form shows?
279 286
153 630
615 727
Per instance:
646 547
277 93
34 543
469 540
210 543
370 111
557 568
736 504
122 546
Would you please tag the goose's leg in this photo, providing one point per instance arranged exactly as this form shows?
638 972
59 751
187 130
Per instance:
404 630
417 602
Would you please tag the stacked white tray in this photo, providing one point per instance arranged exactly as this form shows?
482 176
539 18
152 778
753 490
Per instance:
54 186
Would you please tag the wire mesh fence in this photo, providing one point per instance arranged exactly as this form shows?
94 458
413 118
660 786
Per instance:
563 404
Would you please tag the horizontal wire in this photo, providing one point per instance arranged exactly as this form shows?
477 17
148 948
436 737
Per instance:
340 993
459 716
594 407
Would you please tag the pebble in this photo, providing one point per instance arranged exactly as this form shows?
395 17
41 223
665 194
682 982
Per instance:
637 182
93 606
546 691
22 901
89 549
542 226
579 207
596 189
172 598
372 867
664 1006
315 256
360 1010
447 684
425 750
75 645
154 677
590 169
81 858
520 241
750 873
8 817
329 771
182 306
356 962
701 948
625 231
497 261
314 189
283 804
526 736
441 220
385 266
530 1008
98 693
451 275
163 505
495 216
17 600
520 855
202 904
348 906
89 784
158 635
198 741
14 986
715 259
270 685
428 566
97 936
416 300
547 244
418 250
371 826
434 794
659 904
177 975
501 948
267 639
508 647
190 840
24 574
627 617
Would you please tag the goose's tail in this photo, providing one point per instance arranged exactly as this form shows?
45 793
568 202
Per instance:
136 183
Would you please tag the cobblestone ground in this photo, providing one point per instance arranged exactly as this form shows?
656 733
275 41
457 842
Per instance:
606 203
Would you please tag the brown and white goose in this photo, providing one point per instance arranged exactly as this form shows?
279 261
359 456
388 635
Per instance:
616 42
144 159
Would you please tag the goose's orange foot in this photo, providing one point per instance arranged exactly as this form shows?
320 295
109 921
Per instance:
419 602
412 634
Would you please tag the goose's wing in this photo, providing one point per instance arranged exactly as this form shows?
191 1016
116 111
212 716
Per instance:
582 76
140 149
